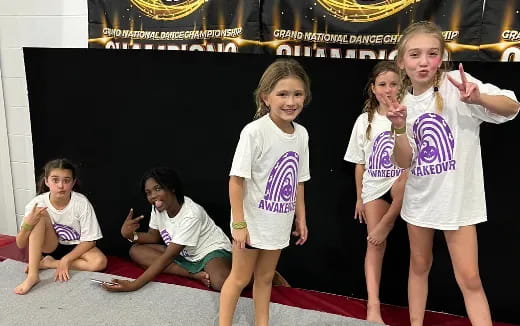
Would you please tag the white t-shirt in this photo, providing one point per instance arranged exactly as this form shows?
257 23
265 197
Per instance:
272 164
374 153
445 187
191 227
75 223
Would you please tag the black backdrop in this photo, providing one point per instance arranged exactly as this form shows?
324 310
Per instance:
118 113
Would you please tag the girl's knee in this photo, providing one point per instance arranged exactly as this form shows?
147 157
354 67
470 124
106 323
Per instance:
470 282
420 265
217 280
238 281
135 252
98 263
265 278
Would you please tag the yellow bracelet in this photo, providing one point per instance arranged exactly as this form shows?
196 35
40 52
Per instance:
239 225
398 131
26 227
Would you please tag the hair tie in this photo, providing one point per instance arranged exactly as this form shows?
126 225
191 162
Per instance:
435 89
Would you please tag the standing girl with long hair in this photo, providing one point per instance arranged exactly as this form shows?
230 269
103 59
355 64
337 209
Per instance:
270 165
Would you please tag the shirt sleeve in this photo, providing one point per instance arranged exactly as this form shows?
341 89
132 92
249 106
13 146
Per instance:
89 226
355 151
188 232
245 154
304 170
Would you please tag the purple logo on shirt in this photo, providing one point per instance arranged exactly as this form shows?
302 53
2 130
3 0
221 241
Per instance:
435 144
65 232
166 236
379 163
280 191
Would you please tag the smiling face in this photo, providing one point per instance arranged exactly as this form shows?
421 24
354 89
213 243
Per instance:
421 58
386 85
285 101
159 196
60 183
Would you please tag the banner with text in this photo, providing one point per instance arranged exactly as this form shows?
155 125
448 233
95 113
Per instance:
364 29
192 25
501 31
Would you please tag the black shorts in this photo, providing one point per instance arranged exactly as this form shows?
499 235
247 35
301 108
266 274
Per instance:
249 247
60 251
387 197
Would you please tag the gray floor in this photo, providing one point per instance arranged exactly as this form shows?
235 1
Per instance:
81 302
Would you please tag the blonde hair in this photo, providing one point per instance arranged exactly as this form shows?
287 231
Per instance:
280 69
422 27
371 103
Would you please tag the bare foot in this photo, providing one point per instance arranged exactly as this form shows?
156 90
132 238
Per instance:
379 233
47 262
202 277
279 280
374 313
26 285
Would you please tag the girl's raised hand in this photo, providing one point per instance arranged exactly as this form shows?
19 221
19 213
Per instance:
130 225
34 215
396 112
469 92
240 237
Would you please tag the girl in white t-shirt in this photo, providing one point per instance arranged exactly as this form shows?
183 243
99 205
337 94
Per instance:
61 223
379 183
270 165
437 137
194 246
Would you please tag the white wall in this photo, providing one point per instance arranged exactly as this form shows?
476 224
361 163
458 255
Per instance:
27 23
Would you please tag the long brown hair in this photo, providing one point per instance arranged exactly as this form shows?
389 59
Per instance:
422 27
60 163
280 69
371 103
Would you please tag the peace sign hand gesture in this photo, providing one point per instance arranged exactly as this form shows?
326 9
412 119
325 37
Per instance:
130 225
35 214
396 112
469 92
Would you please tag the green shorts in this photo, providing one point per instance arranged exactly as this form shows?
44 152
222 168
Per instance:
196 266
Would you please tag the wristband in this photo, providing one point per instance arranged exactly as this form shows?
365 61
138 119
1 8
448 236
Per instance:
26 227
398 131
134 239
239 225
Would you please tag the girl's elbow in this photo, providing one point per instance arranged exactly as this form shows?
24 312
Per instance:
404 163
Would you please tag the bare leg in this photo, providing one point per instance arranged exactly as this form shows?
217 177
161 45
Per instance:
279 280
463 248
421 243
42 238
374 211
380 232
264 272
145 255
93 261
244 261
218 270
47 262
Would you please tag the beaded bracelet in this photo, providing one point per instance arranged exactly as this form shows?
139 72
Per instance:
239 225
